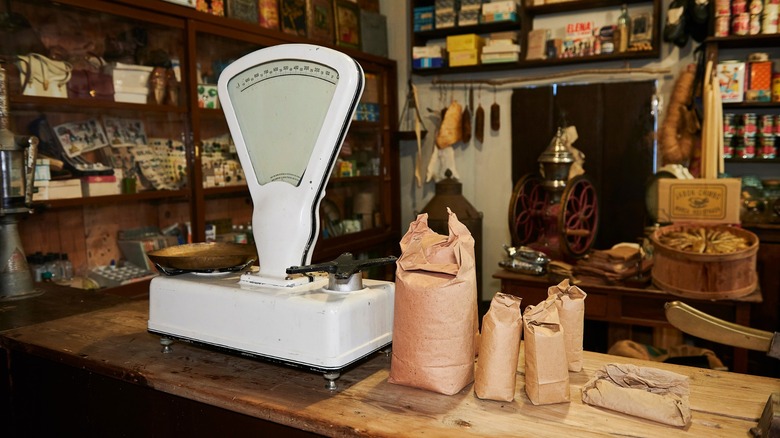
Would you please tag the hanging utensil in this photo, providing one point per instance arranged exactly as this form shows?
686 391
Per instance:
479 119
495 113
465 135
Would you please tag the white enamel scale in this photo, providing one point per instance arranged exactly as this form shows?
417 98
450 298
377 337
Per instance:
288 108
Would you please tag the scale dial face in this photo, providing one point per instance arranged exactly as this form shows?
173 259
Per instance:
281 106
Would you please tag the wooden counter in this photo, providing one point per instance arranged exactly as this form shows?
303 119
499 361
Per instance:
101 373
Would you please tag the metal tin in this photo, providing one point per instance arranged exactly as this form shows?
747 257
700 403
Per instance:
729 124
728 146
722 24
722 7
748 149
756 6
740 24
776 89
749 127
769 24
766 144
738 7
766 124
754 27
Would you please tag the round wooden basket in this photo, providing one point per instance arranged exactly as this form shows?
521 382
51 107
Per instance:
705 276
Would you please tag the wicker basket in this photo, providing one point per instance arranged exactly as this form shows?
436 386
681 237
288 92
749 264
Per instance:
705 276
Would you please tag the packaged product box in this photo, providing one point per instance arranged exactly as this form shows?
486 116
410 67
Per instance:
714 201
64 189
460 58
469 41
731 77
99 185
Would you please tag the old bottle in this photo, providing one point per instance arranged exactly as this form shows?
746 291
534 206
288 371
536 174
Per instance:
623 29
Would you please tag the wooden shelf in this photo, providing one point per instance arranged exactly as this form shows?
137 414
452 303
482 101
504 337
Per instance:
53 104
757 160
226 190
745 42
751 105
178 195
524 24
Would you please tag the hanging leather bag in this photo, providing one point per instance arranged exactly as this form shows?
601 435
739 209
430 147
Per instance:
42 76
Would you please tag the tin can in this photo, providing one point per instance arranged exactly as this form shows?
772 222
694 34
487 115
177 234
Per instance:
771 13
776 89
722 7
738 7
766 144
749 127
756 6
748 149
728 145
722 24
729 124
754 27
766 124
740 24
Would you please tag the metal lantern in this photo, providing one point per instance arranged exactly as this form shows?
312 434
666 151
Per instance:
449 193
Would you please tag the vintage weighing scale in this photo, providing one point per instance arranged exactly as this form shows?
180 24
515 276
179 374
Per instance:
288 108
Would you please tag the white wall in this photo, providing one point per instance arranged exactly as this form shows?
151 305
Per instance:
485 169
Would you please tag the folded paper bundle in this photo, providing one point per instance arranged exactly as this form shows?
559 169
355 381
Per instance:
499 348
435 323
644 392
611 266
570 302
546 369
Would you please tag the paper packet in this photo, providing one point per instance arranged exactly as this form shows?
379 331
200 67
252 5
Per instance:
502 325
546 371
435 316
570 302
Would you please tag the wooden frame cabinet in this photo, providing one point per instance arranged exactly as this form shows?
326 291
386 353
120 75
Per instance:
199 45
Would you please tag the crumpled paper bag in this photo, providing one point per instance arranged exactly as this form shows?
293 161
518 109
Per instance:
570 302
644 392
502 326
546 370
435 317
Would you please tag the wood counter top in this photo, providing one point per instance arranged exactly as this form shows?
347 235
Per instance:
113 342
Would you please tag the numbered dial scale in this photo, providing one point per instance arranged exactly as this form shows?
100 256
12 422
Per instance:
288 108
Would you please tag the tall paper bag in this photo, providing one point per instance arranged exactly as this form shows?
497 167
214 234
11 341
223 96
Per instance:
570 303
496 374
546 370
434 320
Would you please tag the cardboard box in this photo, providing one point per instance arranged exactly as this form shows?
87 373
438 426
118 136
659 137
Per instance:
499 7
419 63
462 58
102 185
731 77
469 41
64 189
712 201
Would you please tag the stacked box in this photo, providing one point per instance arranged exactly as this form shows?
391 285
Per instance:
99 185
469 12
446 14
500 50
464 49
427 57
759 81
423 18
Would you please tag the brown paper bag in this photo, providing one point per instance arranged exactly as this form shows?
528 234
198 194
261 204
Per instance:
644 392
502 326
570 303
434 322
546 370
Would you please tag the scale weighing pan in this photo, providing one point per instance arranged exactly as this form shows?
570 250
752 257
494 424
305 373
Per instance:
203 257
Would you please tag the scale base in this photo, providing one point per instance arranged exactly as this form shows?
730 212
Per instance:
304 326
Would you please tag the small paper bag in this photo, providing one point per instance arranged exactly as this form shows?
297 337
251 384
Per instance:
546 371
502 326
435 321
570 302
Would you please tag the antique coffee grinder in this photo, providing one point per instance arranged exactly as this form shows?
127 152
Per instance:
554 214
17 170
